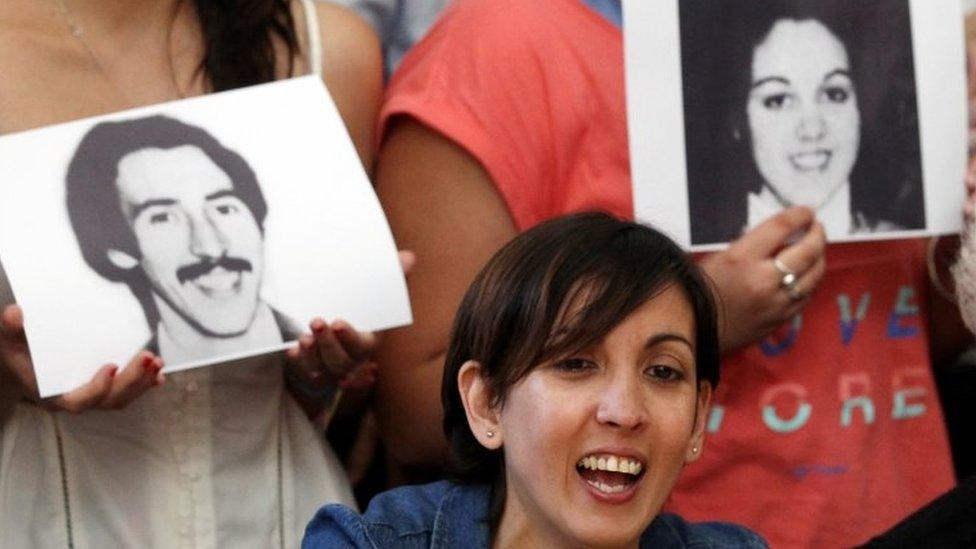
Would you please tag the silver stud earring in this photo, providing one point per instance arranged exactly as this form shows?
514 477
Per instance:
694 450
490 433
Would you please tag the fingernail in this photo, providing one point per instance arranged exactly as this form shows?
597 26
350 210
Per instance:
147 363
112 371
318 327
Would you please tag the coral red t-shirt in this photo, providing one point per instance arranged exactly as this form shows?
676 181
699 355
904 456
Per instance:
824 434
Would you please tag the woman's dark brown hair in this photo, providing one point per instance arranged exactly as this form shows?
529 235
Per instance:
239 40
554 290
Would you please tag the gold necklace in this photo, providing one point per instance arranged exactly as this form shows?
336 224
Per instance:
78 32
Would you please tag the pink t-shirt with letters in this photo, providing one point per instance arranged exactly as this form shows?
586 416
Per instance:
827 432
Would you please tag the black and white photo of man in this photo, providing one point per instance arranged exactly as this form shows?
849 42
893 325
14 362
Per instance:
165 208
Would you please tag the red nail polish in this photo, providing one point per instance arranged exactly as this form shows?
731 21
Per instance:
318 328
112 371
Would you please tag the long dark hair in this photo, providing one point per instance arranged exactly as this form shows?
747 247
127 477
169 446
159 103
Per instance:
717 44
239 40
593 263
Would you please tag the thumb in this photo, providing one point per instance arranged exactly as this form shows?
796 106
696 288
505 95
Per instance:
407 260
768 237
12 322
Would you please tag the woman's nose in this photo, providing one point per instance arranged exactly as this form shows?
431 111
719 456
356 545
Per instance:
205 238
622 404
811 126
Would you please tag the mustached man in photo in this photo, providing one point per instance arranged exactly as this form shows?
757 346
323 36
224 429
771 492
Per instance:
166 209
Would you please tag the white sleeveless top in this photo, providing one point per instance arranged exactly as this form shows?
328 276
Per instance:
216 457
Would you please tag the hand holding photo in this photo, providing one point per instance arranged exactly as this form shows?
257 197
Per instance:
852 109
232 220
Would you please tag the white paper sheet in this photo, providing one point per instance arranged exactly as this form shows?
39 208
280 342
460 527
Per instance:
326 247
667 174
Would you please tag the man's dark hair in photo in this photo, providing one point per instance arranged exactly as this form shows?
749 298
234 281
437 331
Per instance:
93 199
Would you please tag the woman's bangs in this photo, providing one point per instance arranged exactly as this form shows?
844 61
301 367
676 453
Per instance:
594 306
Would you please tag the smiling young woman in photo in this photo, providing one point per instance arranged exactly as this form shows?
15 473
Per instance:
804 123
576 387
801 104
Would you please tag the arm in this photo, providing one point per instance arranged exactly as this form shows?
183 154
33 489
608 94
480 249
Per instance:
352 68
352 71
442 205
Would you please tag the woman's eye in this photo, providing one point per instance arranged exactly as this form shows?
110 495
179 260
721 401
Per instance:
160 217
574 365
661 372
776 102
837 95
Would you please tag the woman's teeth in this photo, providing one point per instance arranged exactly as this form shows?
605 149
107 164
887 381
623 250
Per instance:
811 161
613 464
607 489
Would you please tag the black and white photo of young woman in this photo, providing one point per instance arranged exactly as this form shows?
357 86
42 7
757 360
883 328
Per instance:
800 102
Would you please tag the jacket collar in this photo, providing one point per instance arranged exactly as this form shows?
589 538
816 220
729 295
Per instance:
462 518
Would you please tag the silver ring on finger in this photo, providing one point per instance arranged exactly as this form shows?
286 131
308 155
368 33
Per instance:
789 279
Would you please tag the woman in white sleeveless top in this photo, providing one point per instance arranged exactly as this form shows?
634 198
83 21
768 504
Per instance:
214 457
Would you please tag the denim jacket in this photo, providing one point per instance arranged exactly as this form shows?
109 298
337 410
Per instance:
448 515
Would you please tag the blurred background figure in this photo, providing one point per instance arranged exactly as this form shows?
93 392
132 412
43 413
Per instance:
957 381
224 456
509 113
399 23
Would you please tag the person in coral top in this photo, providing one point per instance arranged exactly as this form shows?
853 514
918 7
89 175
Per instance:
827 428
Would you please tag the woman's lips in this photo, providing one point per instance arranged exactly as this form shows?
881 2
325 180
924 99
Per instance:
610 478
612 492
811 161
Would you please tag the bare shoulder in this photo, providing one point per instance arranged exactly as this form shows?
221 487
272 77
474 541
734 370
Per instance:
352 68
350 46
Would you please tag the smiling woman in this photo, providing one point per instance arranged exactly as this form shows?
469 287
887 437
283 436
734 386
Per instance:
794 102
577 382
803 120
